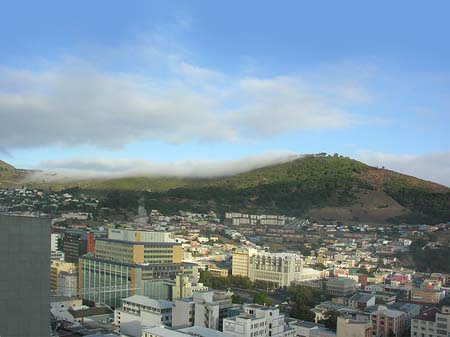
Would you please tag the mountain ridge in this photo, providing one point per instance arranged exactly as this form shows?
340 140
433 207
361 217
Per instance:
322 187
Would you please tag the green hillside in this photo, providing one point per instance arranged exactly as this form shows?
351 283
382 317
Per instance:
296 188
8 174
318 186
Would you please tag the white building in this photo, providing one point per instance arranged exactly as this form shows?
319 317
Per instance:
277 269
139 312
67 283
303 328
347 327
205 309
183 312
54 239
257 321
211 308
161 331
432 322
139 236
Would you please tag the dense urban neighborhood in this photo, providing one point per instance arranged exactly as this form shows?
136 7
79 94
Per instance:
138 272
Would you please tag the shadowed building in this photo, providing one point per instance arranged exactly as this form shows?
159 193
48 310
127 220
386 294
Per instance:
24 276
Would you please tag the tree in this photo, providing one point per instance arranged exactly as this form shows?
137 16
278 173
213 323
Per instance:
302 312
301 294
262 298
237 299
331 320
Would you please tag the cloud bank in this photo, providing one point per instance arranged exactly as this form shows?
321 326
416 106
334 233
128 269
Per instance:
76 102
106 168
433 166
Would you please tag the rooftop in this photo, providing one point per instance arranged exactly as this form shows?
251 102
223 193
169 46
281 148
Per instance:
149 302
361 297
94 311
202 332
428 315
164 332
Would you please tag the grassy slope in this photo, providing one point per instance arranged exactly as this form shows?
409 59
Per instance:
8 174
293 188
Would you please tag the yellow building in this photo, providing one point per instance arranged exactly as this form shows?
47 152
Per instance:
122 268
55 268
426 295
240 262
138 252
218 272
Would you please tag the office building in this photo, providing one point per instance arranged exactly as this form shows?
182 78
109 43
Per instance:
139 312
54 241
76 243
183 287
277 270
24 276
119 269
57 268
205 309
161 331
139 236
240 261
258 320
211 307
334 286
386 322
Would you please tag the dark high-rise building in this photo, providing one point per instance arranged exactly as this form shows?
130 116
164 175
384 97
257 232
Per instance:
76 243
24 276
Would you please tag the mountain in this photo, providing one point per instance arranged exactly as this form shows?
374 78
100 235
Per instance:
321 187
4 167
9 175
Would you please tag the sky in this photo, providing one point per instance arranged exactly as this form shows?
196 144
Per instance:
187 86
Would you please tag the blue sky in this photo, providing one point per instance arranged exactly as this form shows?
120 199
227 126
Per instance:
84 84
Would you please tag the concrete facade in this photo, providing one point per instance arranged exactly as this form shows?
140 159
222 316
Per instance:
24 276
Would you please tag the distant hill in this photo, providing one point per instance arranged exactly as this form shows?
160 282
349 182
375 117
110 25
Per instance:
6 167
321 187
9 175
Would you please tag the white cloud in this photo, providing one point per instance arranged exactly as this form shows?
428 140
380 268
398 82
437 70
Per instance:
102 168
75 102
433 166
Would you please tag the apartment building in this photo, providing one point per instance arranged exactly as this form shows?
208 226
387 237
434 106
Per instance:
431 296
361 301
347 327
431 323
386 322
258 320
138 312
